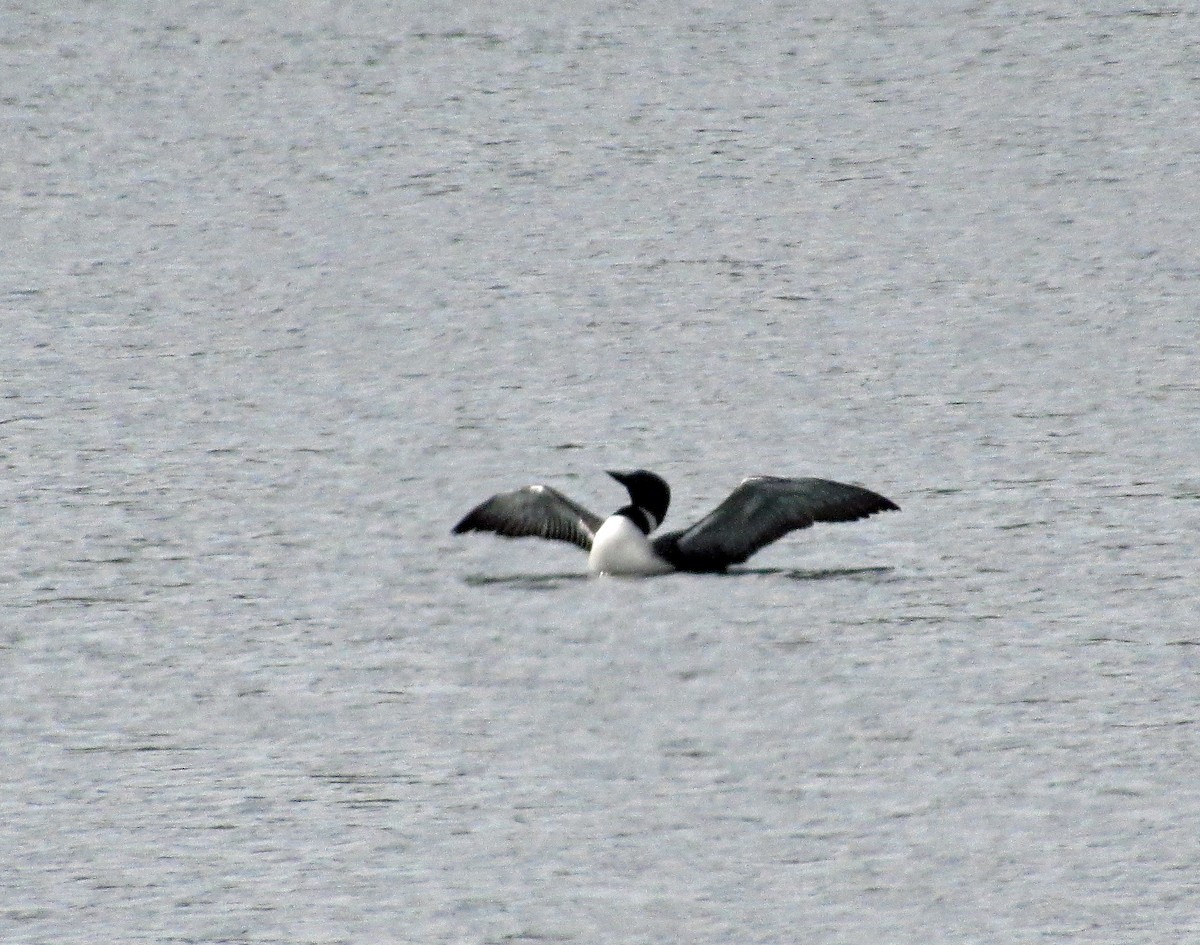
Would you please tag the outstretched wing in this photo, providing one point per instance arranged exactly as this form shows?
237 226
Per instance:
536 512
761 510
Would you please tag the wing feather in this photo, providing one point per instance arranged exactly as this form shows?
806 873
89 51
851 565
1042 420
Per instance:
761 510
533 512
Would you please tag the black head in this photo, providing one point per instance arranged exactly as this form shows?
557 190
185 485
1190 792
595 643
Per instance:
648 492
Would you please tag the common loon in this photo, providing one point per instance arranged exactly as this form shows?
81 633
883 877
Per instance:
759 511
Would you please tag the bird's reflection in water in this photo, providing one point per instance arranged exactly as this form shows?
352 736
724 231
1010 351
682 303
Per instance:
546 582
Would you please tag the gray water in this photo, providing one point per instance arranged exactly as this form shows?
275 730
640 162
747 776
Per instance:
286 288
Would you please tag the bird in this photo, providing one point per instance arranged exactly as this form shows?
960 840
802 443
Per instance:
761 510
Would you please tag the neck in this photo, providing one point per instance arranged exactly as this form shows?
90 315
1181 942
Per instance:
640 517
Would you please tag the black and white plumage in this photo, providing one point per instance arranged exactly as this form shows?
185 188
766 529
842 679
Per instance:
762 509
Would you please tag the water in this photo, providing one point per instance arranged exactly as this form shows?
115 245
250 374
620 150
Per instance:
286 289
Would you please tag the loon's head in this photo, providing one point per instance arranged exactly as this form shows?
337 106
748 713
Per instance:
649 494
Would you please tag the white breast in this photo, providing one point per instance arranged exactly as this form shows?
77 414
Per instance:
620 548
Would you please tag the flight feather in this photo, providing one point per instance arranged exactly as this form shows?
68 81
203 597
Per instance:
533 512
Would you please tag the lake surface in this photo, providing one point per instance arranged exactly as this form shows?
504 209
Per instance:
287 288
